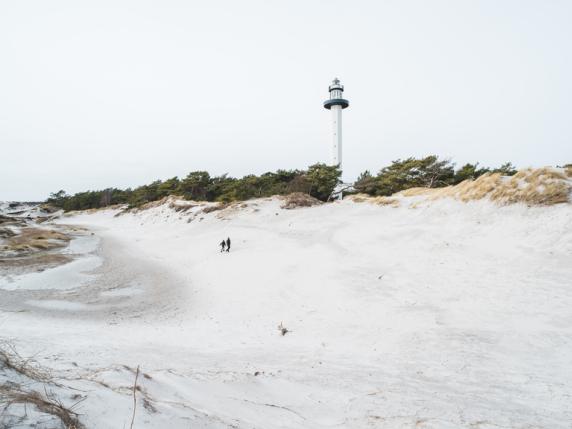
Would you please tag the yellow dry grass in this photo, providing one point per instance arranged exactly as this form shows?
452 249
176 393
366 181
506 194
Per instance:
382 201
358 198
542 186
46 402
36 239
386 201
215 207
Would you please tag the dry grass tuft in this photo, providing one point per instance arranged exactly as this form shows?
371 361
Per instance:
46 403
181 206
13 393
415 192
542 186
382 201
31 239
386 201
298 199
10 359
534 175
358 198
215 207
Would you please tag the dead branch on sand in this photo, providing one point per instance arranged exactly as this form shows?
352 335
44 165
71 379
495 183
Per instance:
134 397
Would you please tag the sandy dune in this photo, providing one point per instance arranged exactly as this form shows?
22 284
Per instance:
448 315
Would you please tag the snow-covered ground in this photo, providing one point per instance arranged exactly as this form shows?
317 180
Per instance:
446 315
23 210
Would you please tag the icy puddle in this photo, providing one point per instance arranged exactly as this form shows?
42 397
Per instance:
82 245
68 276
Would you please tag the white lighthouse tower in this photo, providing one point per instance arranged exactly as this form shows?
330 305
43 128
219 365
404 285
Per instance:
336 104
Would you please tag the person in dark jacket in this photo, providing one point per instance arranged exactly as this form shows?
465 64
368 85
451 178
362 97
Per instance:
222 244
228 244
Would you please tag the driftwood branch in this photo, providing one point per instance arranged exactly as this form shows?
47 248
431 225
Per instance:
134 397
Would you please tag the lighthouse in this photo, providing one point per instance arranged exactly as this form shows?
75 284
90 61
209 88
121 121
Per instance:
336 104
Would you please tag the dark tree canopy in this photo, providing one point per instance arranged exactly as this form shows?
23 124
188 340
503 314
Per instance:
428 172
319 181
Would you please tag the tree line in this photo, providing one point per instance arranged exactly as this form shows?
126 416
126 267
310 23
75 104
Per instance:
318 180
426 172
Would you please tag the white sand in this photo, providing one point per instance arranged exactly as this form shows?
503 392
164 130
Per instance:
58 305
450 315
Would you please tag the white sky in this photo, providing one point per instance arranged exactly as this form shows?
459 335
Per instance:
120 93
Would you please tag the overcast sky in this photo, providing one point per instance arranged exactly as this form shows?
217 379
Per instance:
120 93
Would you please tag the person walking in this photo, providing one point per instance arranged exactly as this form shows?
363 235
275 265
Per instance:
228 244
222 245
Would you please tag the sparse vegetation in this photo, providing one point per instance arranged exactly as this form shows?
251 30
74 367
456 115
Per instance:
31 239
215 207
543 186
15 393
427 172
382 201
